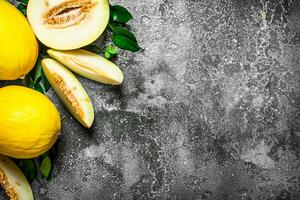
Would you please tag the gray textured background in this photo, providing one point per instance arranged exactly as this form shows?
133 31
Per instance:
210 109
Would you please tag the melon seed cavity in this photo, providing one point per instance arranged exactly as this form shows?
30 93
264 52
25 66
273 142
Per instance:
7 187
68 94
67 14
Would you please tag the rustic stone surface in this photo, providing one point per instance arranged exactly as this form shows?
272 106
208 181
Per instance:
209 110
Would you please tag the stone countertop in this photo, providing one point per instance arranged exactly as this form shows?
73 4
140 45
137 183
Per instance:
209 110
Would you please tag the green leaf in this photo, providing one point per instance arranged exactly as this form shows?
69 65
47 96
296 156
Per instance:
110 51
28 168
36 79
45 167
45 81
23 1
38 87
124 39
92 48
28 81
120 14
43 51
107 55
125 32
126 43
112 24
38 70
22 8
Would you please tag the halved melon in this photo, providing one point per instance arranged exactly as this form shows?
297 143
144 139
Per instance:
68 24
13 181
70 91
89 65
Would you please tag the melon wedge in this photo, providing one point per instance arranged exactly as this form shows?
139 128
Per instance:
70 91
68 24
13 181
89 65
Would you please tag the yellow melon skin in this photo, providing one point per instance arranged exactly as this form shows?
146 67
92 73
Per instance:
29 122
71 35
19 47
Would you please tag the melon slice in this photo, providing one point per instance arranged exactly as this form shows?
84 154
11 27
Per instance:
68 24
70 91
13 181
89 65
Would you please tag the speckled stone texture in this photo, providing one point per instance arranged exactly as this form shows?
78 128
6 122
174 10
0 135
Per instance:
209 110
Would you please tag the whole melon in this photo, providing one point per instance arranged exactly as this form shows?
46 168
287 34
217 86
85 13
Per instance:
19 47
29 122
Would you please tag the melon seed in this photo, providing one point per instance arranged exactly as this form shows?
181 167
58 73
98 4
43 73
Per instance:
7 187
67 13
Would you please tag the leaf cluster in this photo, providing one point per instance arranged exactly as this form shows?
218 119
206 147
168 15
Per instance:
35 166
122 37
36 79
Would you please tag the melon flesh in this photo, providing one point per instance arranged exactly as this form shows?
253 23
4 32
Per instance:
68 24
13 181
70 91
89 65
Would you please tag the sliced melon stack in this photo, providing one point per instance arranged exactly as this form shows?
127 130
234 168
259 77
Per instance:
65 26
67 86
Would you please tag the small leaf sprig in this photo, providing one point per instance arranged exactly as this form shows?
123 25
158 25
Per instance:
121 35
111 51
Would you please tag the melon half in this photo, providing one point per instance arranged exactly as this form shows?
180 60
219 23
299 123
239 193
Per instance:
68 24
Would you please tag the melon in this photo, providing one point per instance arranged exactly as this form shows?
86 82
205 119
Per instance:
29 122
13 181
68 24
70 91
89 65
19 47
